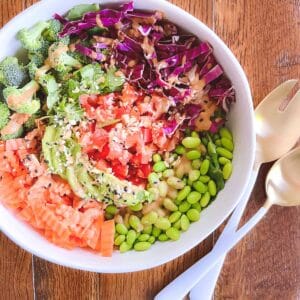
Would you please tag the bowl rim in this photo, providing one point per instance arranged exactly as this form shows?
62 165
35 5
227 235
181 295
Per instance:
148 264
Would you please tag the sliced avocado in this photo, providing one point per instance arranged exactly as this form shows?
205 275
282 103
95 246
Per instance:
87 182
57 164
47 145
77 188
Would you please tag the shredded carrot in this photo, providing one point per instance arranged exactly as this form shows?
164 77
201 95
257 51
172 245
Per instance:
107 238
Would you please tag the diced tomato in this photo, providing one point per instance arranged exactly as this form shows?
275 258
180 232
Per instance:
92 126
101 154
147 135
100 138
136 159
120 111
129 95
102 165
144 170
119 170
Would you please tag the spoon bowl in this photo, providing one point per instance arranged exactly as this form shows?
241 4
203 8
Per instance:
283 181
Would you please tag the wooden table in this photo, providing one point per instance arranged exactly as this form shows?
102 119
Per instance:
265 37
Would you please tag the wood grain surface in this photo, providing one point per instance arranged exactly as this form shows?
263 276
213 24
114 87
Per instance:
265 37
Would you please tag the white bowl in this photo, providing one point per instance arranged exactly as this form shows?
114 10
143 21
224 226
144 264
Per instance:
241 122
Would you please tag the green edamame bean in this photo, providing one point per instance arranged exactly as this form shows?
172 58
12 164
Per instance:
159 166
224 152
211 148
168 173
153 178
135 223
111 209
121 229
162 223
195 134
223 160
197 206
180 149
183 193
149 218
177 225
156 157
193 215
156 232
204 167
137 207
227 170
189 182
224 132
120 239
124 247
131 237
151 240
163 188
184 206
205 199
173 234
218 142
184 223
204 178
191 142
194 175
175 216
196 164
142 246
216 136
169 204
163 237
175 183
108 216
227 143
147 229
193 154
200 187
143 237
193 197
212 188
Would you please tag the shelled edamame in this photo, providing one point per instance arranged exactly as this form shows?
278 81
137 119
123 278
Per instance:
182 187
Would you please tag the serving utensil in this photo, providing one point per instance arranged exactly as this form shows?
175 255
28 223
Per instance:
272 126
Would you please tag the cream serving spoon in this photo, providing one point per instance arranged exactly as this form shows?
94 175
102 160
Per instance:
268 116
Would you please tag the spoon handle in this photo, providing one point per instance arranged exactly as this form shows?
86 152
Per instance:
179 287
205 288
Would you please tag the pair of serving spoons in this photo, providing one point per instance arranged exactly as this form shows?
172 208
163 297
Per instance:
277 126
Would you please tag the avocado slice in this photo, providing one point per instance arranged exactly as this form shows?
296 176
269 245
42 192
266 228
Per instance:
47 145
77 188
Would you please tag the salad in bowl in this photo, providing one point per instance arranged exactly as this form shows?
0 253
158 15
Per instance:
113 129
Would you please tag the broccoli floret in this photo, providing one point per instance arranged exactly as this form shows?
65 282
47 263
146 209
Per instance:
60 60
30 123
4 115
35 72
15 135
114 80
31 38
85 60
79 10
23 100
69 110
52 33
12 73
51 88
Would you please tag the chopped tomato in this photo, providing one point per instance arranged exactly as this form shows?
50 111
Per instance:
147 135
144 170
100 138
119 170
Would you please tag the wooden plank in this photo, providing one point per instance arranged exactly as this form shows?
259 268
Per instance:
16 271
264 35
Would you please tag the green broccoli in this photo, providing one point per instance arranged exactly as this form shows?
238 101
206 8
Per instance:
69 110
114 81
4 115
30 123
12 73
23 100
78 11
84 60
36 72
31 38
60 60
52 33
51 88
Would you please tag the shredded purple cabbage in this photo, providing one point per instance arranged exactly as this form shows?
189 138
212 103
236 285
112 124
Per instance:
155 56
